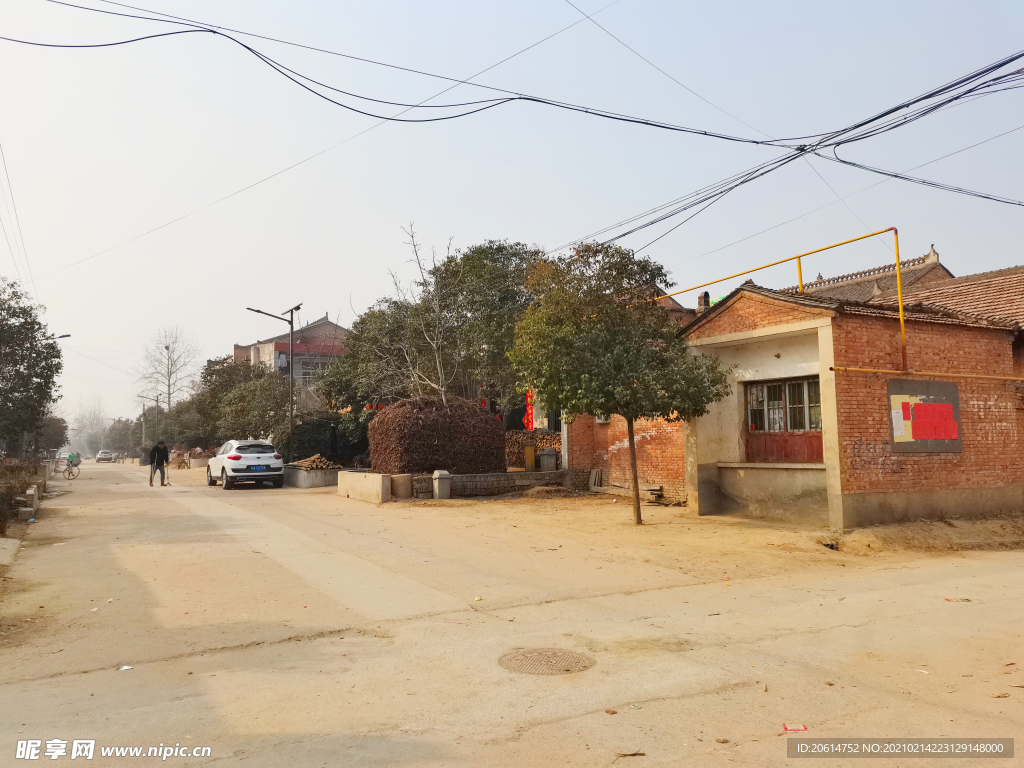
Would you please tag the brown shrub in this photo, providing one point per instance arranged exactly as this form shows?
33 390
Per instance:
422 434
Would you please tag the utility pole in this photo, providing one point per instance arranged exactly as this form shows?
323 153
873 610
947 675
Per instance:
157 430
168 350
291 366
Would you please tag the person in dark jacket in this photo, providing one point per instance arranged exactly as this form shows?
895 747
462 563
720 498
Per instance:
158 458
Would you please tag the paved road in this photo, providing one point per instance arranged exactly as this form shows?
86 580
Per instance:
294 628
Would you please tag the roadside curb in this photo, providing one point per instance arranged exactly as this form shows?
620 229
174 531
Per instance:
8 549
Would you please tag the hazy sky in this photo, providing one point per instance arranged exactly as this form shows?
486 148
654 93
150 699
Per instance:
104 145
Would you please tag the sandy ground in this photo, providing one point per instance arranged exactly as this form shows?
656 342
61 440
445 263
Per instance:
287 627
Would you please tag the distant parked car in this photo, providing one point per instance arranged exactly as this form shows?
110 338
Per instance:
104 456
62 459
245 461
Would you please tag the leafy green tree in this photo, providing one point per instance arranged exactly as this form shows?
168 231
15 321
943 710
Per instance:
257 408
51 433
380 362
492 297
118 436
30 361
595 341
453 330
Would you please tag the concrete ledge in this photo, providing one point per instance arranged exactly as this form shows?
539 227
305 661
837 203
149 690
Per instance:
199 463
767 465
864 509
32 498
365 486
26 513
311 478
8 549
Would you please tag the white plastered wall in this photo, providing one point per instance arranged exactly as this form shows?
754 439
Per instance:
778 352
720 433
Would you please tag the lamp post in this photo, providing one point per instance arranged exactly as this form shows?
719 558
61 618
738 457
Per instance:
291 365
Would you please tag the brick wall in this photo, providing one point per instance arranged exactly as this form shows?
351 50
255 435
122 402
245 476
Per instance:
749 312
497 483
990 425
659 452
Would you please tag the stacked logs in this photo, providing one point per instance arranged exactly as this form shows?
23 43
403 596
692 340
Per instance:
315 462
515 440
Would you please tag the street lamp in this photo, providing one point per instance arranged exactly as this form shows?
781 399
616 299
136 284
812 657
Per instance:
291 365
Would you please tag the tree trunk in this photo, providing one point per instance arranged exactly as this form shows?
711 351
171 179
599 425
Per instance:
636 479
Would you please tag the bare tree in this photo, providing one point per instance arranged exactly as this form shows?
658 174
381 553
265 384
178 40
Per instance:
432 351
90 425
168 363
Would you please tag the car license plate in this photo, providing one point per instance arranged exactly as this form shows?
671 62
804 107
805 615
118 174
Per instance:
258 468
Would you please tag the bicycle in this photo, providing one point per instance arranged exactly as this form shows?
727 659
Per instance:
71 472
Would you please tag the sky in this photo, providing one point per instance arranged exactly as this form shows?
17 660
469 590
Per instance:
120 159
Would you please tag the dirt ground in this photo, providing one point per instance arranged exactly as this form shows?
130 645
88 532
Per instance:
293 627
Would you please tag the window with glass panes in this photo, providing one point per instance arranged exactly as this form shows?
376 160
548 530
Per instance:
790 405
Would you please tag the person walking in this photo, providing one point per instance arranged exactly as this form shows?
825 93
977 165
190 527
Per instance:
158 458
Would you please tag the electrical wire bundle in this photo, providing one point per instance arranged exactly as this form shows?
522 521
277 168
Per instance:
983 82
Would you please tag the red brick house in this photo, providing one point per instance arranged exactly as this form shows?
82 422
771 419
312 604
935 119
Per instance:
316 346
799 440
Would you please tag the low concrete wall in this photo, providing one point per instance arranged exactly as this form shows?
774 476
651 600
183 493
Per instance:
8 549
199 463
863 509
32 498
505 482
311 478
777 491
365 486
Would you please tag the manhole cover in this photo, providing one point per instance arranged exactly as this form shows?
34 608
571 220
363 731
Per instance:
546 661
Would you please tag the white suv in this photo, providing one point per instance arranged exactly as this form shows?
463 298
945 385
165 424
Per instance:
245 461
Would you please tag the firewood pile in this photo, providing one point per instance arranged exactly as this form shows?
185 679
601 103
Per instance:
515 440
315 462
422 434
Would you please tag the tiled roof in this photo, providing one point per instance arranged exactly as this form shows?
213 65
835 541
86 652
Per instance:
998 294
342 332
919 311
863 285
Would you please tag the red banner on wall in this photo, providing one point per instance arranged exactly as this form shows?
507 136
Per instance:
528 418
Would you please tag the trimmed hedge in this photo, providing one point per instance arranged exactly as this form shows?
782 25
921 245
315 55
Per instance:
422 434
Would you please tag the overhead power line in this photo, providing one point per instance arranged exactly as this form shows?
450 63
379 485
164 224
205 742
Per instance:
315 155
666 74
969 86
828 205
835 194
17 223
